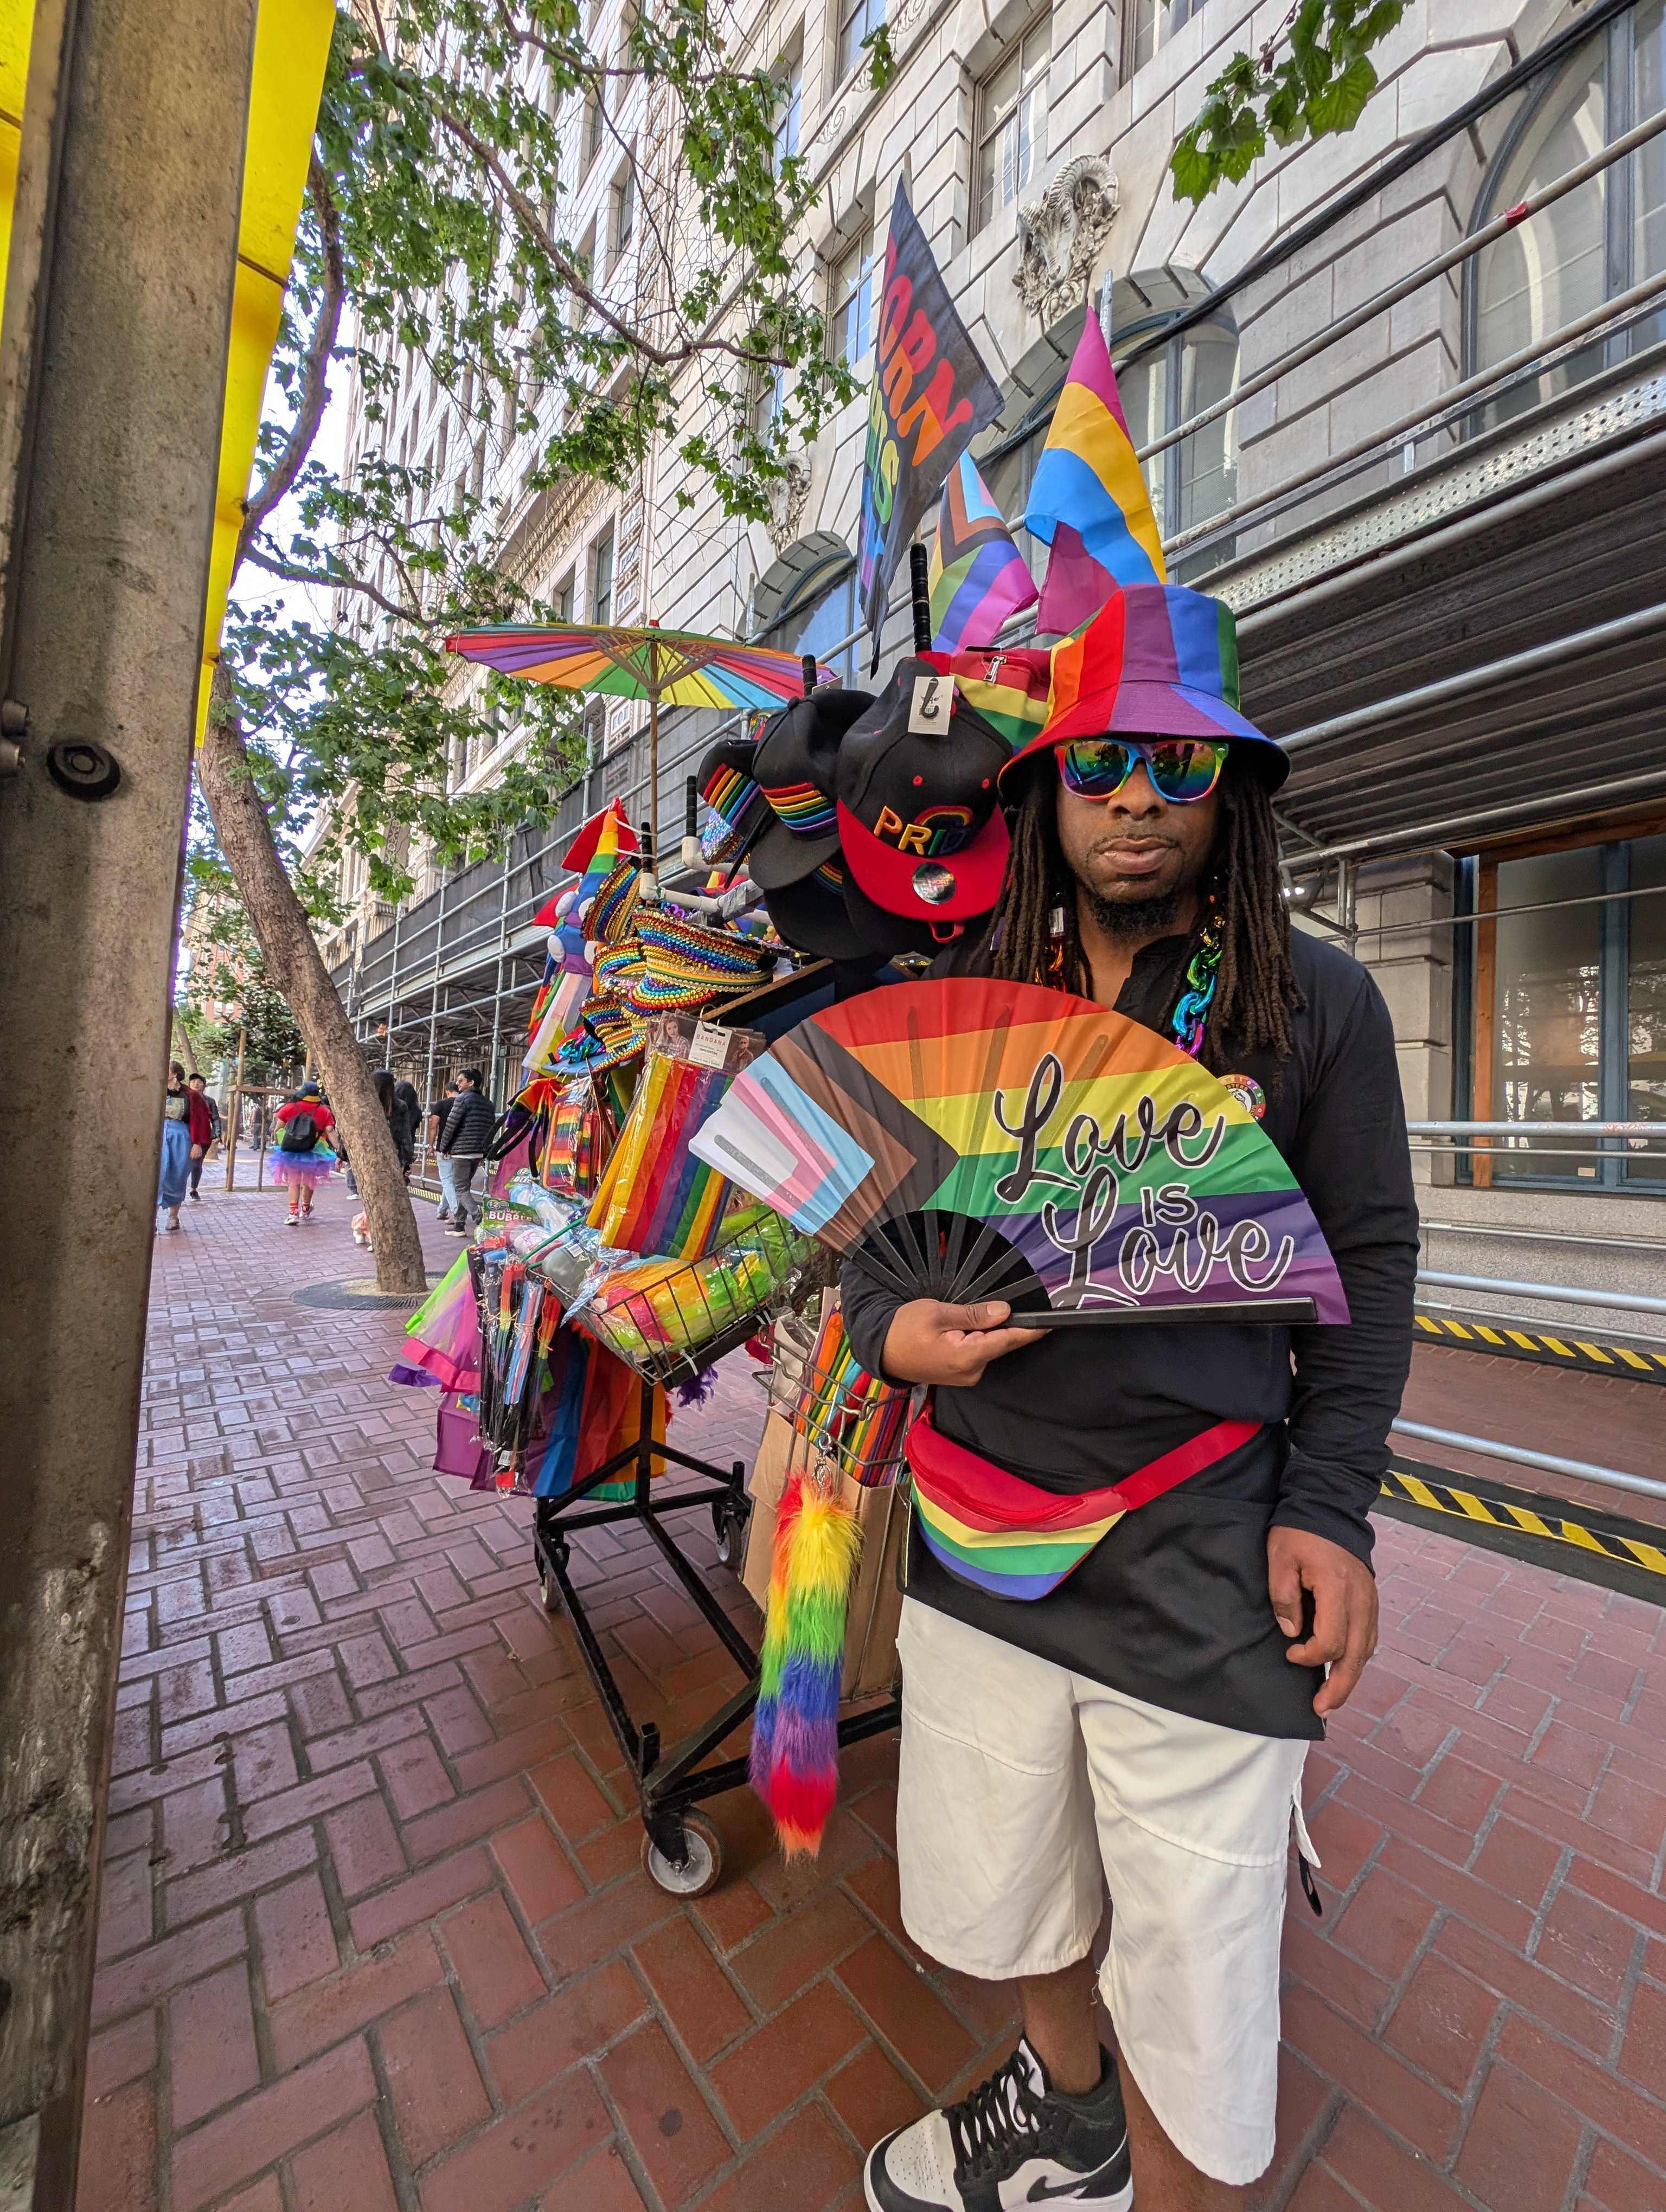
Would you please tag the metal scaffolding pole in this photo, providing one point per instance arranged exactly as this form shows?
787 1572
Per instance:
497 988
113 369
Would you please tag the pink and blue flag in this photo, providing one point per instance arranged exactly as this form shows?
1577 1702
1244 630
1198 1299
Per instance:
979 578
1089 501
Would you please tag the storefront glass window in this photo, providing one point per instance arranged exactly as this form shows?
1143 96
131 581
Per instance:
1570 1012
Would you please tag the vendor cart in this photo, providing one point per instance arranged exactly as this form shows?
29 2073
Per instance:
681 1849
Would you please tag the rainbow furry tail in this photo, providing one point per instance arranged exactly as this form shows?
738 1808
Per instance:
795 1750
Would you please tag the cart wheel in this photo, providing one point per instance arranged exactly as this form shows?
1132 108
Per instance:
729 1518
699 1871
550 1590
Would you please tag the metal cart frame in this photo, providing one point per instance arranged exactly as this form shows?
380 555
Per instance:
681 1850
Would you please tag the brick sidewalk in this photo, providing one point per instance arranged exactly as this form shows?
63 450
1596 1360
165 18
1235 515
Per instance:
375 1932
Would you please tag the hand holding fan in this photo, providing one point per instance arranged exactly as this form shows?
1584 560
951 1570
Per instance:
969 1137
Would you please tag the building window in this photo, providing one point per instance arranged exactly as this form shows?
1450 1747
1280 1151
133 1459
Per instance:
858 19
592 129
601 579
622 218
1012 140
1142 20
767 404
854 276
564 598
789 77
1595 242
1569 1010
809 604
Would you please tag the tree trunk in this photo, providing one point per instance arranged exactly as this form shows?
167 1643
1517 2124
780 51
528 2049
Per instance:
183 1045
297 967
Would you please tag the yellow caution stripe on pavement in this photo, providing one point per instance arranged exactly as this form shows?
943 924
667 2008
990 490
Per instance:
1531 1525
1514 1342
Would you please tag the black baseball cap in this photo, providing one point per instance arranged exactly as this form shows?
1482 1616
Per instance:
811 916
794 765
918 813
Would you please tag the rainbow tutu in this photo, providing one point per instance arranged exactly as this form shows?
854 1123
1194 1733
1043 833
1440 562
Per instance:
301 1170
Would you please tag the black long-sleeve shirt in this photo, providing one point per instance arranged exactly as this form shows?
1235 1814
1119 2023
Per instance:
1172 1607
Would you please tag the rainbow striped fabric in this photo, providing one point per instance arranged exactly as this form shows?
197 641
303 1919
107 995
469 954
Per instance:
1089 500
1010 690
979 578
806 811
1000 1534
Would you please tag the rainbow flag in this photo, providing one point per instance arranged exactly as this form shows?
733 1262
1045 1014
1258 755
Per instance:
1089 500
979 578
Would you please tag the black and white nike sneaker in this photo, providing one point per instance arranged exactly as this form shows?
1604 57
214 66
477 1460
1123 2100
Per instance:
1015 2141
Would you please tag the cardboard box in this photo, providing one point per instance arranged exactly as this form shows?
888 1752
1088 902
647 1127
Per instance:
875 1601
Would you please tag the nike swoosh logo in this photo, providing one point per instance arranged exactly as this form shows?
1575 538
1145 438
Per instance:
1043 2192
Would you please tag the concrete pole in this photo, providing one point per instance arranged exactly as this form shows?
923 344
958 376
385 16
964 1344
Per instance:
112 366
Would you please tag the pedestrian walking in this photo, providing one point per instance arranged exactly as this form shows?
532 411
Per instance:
202 1119
1142 1725
173 1175
398 1112
405 1092
301 1157
464 1135
437 1110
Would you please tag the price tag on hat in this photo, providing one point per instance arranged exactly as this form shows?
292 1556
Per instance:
931 706
709 1046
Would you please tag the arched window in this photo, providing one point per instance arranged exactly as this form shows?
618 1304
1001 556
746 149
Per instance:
805 601
1596 242
1190 480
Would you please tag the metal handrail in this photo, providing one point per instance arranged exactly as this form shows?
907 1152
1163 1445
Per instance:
1536 1128
1608 1477
1561 1294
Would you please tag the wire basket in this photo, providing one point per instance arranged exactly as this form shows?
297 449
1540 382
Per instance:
671 1319
852 1420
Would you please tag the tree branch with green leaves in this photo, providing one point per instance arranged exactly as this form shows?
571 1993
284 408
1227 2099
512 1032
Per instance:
1310 79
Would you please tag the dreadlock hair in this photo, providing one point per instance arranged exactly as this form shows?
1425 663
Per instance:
1255 991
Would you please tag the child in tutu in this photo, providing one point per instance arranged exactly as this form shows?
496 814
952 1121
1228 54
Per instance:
301 1159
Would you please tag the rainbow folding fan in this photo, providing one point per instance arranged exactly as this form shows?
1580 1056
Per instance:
970 1139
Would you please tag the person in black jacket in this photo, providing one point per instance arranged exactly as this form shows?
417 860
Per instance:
1143 1725
464 1134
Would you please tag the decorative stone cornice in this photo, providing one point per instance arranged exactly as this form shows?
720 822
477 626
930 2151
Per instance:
1060 236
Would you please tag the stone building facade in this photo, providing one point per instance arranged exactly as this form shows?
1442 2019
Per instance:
1433 512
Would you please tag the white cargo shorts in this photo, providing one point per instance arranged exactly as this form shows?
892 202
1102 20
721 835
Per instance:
1026 1790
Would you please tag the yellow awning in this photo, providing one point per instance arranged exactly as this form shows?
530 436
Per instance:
291 47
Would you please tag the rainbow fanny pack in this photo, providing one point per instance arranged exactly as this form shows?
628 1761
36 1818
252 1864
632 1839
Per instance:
1001 1533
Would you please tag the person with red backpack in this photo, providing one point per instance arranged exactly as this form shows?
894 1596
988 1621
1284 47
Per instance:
301 1158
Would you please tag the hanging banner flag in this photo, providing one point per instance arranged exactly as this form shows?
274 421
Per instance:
1088 499
979 578
930 395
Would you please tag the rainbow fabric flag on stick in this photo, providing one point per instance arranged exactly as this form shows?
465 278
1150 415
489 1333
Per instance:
979 578
1089 501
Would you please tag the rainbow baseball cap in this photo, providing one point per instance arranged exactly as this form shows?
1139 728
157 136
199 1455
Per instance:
1157 660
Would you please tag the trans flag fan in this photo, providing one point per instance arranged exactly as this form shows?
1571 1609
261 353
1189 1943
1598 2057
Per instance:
969 1138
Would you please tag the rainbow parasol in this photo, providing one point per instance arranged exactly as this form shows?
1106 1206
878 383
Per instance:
969 1137
669 667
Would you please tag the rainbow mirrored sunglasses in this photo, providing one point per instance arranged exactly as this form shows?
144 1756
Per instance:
1181 768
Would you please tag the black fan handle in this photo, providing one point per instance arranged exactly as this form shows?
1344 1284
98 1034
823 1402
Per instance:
808 664
691 806
920 588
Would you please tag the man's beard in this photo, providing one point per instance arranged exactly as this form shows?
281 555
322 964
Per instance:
1135 921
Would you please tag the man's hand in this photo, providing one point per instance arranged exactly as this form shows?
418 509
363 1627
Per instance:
1344 1608
931 1342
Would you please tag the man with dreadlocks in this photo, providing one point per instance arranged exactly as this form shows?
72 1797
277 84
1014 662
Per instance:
1144 1724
